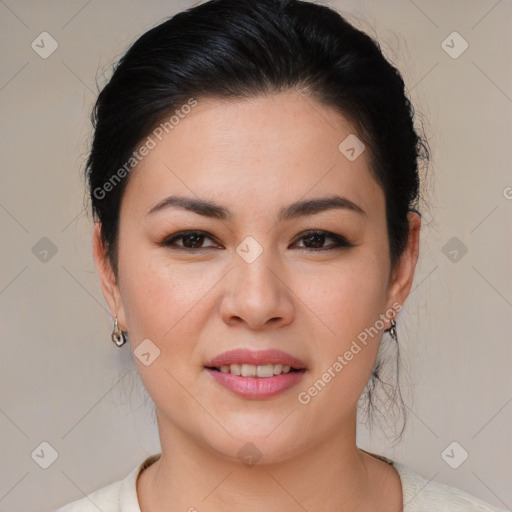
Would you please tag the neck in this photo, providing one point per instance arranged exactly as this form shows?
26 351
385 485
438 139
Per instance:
332 475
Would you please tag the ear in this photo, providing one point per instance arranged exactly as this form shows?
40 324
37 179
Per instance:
107 278
403 273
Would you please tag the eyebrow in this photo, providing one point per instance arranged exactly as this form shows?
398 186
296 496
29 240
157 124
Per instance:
292 211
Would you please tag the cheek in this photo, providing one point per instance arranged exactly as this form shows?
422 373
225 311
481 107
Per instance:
169 304
349 297
347 302
160 300
346 341
163 306
156 293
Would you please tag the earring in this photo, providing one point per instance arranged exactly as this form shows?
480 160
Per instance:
119 337
392 330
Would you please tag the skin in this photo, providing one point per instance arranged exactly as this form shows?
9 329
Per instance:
255 157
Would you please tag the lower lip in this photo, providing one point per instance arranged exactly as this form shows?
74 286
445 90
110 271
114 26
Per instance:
254 387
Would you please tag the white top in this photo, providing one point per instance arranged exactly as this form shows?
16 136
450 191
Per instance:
419 495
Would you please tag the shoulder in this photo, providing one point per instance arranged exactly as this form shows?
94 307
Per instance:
421 495
119 496
106 498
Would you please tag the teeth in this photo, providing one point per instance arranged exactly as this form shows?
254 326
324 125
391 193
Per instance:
266 370
252 370
248 370
234 369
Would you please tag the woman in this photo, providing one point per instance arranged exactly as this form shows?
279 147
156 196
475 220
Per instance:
254 177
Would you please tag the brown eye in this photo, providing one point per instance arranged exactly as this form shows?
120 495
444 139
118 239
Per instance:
314 240
190 240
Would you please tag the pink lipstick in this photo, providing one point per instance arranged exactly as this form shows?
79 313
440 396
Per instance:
256 374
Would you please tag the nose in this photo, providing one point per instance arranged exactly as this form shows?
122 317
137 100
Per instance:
257 294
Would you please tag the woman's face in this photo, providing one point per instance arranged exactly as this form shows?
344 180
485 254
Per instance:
252 279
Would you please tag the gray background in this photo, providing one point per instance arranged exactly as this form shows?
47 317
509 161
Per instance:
63 381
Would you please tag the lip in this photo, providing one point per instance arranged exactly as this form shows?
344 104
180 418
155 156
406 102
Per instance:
254 387
260 357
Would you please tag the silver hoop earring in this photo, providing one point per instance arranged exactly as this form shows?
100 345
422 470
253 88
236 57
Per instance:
392 330
119 337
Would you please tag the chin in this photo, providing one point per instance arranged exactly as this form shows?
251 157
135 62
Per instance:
257 445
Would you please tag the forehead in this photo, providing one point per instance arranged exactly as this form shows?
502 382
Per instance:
258 152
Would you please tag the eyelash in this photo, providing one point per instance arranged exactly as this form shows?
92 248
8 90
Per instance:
340 242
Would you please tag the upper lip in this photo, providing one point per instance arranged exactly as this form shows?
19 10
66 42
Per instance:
260 357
